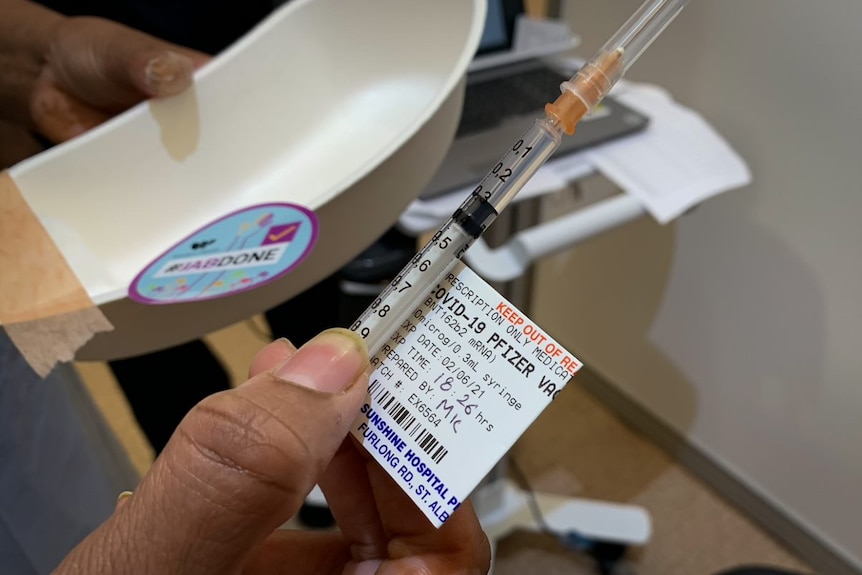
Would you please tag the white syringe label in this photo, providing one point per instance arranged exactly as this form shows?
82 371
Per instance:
453 389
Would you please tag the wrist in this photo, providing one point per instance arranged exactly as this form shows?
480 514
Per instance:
26 31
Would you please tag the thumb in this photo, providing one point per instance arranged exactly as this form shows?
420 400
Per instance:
241 462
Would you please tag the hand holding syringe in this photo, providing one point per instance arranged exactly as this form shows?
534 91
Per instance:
579 97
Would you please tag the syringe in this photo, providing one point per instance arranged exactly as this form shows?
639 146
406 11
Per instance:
579 96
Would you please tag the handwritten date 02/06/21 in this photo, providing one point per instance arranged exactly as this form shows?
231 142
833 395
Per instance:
453 409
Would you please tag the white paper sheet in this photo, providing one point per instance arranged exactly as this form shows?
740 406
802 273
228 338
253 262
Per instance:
673 165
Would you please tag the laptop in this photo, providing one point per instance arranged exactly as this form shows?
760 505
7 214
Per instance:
509 82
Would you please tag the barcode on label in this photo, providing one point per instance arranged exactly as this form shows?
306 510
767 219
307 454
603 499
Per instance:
407 421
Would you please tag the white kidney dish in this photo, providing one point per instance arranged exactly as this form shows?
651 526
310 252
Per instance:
345 108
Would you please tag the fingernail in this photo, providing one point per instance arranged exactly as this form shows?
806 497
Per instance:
168 73
330 362
124 495
285 342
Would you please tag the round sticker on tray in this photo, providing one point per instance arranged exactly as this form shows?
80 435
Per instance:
236 253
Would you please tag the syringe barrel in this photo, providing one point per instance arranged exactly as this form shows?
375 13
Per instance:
408 289
497 189
640 30
521 161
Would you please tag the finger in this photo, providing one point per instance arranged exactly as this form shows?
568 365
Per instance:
112 67
299 553
270 356
459 541
242 462
161 71
57 114
350 498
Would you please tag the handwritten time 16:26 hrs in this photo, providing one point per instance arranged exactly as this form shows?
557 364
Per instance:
451 409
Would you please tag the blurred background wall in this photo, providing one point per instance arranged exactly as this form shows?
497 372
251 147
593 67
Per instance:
740 326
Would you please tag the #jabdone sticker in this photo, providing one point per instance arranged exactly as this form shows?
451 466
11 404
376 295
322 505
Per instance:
236 253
